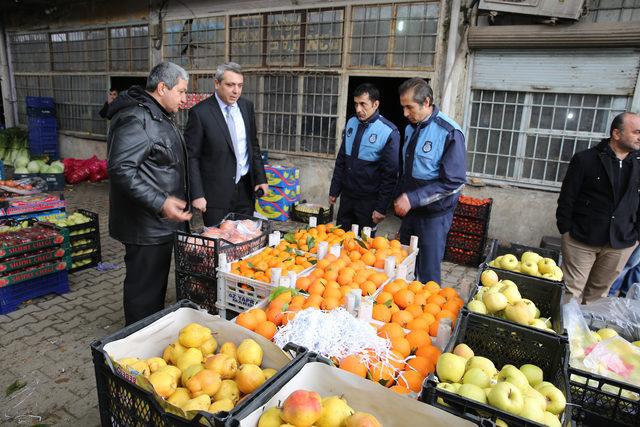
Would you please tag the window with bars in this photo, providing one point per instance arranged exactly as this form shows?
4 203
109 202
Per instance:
195 44
78 100
79 50
30 52
394 36
311 38
129 48
529 137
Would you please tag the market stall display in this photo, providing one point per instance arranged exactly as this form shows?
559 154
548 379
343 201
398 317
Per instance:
525 260
83 228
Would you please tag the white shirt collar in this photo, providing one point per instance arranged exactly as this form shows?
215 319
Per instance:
224 106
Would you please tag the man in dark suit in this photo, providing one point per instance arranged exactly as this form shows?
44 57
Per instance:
224 156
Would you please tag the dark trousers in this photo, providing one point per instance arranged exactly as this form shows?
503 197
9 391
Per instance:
145 283
432 240
242 202
356 211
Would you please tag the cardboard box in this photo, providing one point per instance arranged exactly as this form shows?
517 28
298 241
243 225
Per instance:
282 176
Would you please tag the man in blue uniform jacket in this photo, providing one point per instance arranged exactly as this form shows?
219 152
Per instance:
433 174
366 169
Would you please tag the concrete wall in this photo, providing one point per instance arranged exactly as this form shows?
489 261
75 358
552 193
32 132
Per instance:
518 214
81 148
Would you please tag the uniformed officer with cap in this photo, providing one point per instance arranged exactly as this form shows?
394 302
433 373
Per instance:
366 169
434 173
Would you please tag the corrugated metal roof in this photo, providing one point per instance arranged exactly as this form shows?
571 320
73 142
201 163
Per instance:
586 71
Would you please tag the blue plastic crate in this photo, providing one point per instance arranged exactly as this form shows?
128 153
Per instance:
1 169
42 125
12 296
44 102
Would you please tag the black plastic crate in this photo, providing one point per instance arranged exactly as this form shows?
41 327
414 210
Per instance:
94 257
463 256
195 254
123 403
469 226
467 242
324 216
480 212
201 290
545 295
55 181
502 343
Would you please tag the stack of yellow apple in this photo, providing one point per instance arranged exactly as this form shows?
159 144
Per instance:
530 263
192 376
502 298
304 408
518 391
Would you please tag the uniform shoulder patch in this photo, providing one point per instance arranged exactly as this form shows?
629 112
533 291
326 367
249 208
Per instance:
373 138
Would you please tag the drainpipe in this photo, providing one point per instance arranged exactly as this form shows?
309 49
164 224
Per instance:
9 113
452 41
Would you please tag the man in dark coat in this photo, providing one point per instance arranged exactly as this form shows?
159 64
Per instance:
149 187
224 156
597 211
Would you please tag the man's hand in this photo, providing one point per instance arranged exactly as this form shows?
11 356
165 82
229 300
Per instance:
377 217
200 203
332 200
402 205
264 187
173 209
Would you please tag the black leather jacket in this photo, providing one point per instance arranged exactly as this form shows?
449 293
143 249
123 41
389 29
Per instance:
146 161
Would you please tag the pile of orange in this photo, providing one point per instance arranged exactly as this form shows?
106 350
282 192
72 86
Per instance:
416 306
374 252
334 277
307 239
259 266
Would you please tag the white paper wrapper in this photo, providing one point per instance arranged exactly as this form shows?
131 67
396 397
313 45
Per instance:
390 408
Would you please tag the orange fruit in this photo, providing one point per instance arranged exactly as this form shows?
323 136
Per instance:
318 272
355 255
432 309
400 389
380 242
267 329
391 331
393 287
368 258
430 352
421 364
368 288
418 324
433 328
285 297
288 316
332 293
436 299
330 275
247 320
416 287
303 283
414 309
404 298
418 338
411 379
396 359
259 314
312 300
344 279
382 373
381 313
446 313
378 278
428 317
383 297
448 293
379 263
297 300
330 303
420 299
432 287
402 346
316 288
354 365
451 306
323 263
402 317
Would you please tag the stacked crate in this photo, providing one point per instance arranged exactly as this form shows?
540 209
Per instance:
33 262
42 126
84 241
468 233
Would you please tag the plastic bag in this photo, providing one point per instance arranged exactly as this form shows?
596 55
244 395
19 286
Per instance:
615 358
581 340
78 170
621 314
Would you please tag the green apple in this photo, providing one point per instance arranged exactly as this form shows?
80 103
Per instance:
530 268
539 324
606 333
477 307
543 384
513 375
636 343
510 290
533 394
595 336
450 367
498 261
451 388
530 256
519 313
509 262
551 420
488 278
531 410
481 292
463 350
501 423
477 377
507 397
533 373
545 265
473 392
532 307
557 273
556 401
483 363
494 301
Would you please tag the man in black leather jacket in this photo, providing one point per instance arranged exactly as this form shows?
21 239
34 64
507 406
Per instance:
149 187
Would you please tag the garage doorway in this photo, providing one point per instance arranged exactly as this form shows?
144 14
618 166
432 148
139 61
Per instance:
121 83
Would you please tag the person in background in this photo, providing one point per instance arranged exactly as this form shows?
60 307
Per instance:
434 173
149 186
111 96
224 156
630 274
597 212
366 169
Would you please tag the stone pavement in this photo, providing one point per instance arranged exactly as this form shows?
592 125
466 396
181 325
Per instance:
46 342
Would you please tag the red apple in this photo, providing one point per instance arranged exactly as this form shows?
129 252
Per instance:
302 408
